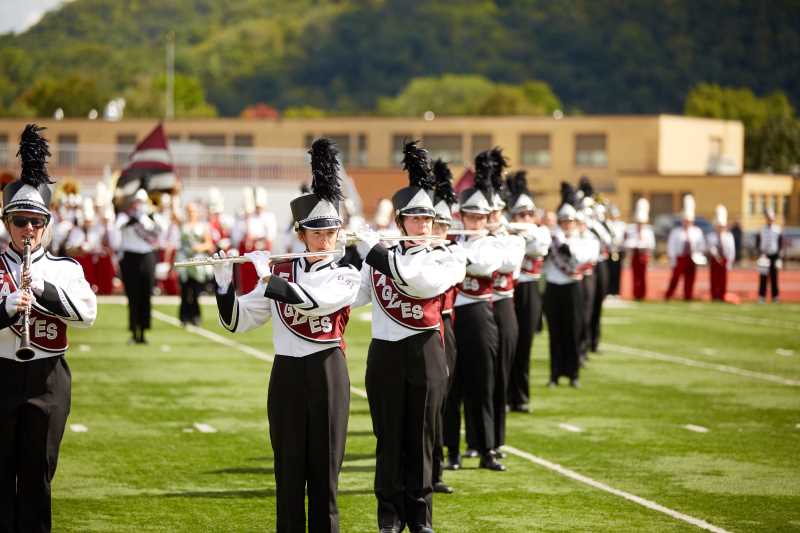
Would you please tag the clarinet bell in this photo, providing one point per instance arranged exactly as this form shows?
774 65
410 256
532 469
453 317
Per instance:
25 353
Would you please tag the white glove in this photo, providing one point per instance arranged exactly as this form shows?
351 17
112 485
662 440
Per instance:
223 272
37 285
367 239
459 252
261 261
17 301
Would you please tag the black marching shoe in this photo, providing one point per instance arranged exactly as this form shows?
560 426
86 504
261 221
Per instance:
520 408
498 454
442 488
490 463
389 529
574 383
453 462
469 453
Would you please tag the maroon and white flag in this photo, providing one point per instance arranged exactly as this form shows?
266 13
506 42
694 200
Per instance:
149 167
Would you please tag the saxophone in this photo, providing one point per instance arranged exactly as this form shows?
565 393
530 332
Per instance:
25 352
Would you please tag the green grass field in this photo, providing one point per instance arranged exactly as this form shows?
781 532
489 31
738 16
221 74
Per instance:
141 467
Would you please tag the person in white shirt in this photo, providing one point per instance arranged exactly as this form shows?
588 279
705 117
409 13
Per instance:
407 369
617 228
685 249
721 250
641 241
309 387
769 243
569 256
527 296
503 281
588 283
477 337
35 385
138 238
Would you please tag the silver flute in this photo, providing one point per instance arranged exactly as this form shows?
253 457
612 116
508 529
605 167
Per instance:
211 261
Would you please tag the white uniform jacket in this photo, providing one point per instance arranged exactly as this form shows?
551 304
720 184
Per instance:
405 286
484 256
722 246
310 303
568 256
678 239
66 300
640 238
513 252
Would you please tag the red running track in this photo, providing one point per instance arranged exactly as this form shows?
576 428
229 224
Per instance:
742 284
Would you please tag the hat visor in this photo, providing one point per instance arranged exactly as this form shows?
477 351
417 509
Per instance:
442 220
321 223
475 210
417 211
26 206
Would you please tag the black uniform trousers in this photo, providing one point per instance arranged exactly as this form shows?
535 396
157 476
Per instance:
507 333
600 292
587 288
138 276
476 343
405 381
563 308
450 359
773 279
308 405
189 310
615 272
34 405
528 308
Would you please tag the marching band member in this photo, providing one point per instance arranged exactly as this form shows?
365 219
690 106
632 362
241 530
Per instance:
103 254
641 241
444 199
309 387
721 253
617 228
476 330
195 239
137 236
769 243
406 365
169 226
588 281
569 255
527 297
503 281
35 394
251 235
219 224
685 247
596 223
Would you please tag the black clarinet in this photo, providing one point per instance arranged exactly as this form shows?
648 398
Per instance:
25 352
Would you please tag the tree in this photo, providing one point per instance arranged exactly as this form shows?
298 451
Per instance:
148 98
76 95
776 146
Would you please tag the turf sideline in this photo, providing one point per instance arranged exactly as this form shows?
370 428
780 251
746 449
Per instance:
751 321
510 449
649 354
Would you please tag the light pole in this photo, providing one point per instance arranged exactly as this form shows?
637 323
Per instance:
170 95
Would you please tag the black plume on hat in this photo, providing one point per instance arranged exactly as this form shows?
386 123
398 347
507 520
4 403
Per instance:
568 194
585 186
415 162
484 166
444 183
517 183
325 170
33 152
499 164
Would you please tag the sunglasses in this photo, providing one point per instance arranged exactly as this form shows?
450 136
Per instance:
22 222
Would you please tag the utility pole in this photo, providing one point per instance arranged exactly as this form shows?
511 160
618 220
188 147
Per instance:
170 96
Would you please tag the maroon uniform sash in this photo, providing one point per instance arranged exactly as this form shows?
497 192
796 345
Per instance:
47 332
322 329
410 312
475 287
503 283
448 300
532 265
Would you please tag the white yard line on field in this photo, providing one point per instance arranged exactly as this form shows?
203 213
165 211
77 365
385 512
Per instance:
78 428
752 321
696 429
702 364
621 493
570 427
514 451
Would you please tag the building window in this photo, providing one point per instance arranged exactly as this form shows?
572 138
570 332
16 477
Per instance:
398 141
787 206
590 150
342 142
762 203
535 150
362 152
126 142
243 140
751 204
480 143
67 150
447 147
661 204
210 140
3 150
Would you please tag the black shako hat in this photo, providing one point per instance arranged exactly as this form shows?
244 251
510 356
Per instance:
320 208
445 196
479 198
31 192
520 199
417 198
